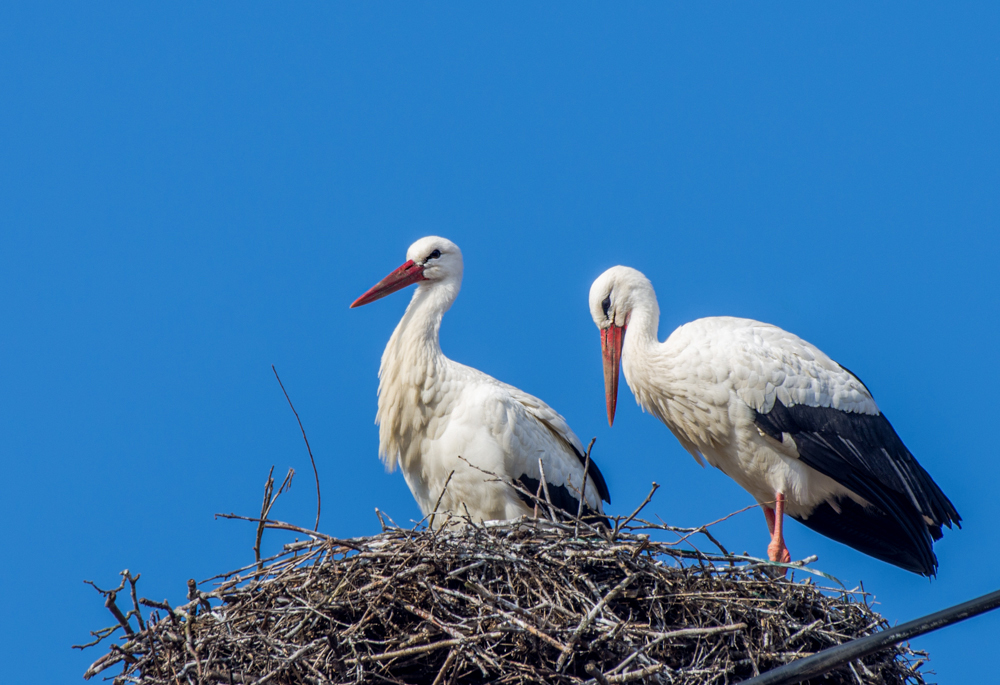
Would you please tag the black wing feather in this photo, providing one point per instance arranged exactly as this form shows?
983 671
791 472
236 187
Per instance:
562 498
870 531
863 453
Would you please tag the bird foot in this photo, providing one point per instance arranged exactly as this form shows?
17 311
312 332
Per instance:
778 552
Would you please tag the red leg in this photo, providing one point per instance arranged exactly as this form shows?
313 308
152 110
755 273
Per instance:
769 515
777 551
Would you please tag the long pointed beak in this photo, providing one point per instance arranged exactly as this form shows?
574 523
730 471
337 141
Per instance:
407 274
611 351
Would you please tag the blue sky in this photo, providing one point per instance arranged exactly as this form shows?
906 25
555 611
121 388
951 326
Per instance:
189 194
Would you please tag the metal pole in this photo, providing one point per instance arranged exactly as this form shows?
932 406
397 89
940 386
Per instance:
834 657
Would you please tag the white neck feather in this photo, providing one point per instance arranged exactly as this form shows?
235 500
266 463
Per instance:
412 367
641 348
659 378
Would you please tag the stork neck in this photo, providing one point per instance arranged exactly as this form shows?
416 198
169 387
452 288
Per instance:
640 344
418 330
643 323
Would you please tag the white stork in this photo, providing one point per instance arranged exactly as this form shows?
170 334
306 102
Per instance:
798 431
441 420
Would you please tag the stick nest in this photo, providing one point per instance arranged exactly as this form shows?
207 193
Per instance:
519 602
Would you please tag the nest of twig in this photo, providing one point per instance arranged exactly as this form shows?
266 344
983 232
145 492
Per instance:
520 602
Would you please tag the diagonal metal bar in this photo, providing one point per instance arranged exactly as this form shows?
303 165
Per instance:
834 657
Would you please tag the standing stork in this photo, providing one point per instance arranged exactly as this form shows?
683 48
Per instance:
450 427
798 431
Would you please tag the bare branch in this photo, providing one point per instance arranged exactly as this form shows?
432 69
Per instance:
319 500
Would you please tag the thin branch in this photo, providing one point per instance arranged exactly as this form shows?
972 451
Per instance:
281 525
265 508
430 524
319 500
545 487
583 488
622 524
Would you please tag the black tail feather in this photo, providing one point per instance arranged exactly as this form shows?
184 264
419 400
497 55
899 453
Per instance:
871 531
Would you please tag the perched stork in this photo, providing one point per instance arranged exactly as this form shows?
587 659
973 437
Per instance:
441 420
798 431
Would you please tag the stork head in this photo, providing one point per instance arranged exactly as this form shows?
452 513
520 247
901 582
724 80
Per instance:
613 296
431 259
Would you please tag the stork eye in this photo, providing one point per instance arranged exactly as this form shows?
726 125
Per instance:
434 255
606 305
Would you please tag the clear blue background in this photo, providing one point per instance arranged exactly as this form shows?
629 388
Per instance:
189 194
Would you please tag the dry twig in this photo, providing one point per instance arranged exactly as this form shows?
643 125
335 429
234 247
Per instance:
319 500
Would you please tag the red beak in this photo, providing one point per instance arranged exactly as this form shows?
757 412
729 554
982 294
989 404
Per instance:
409 273
611 351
